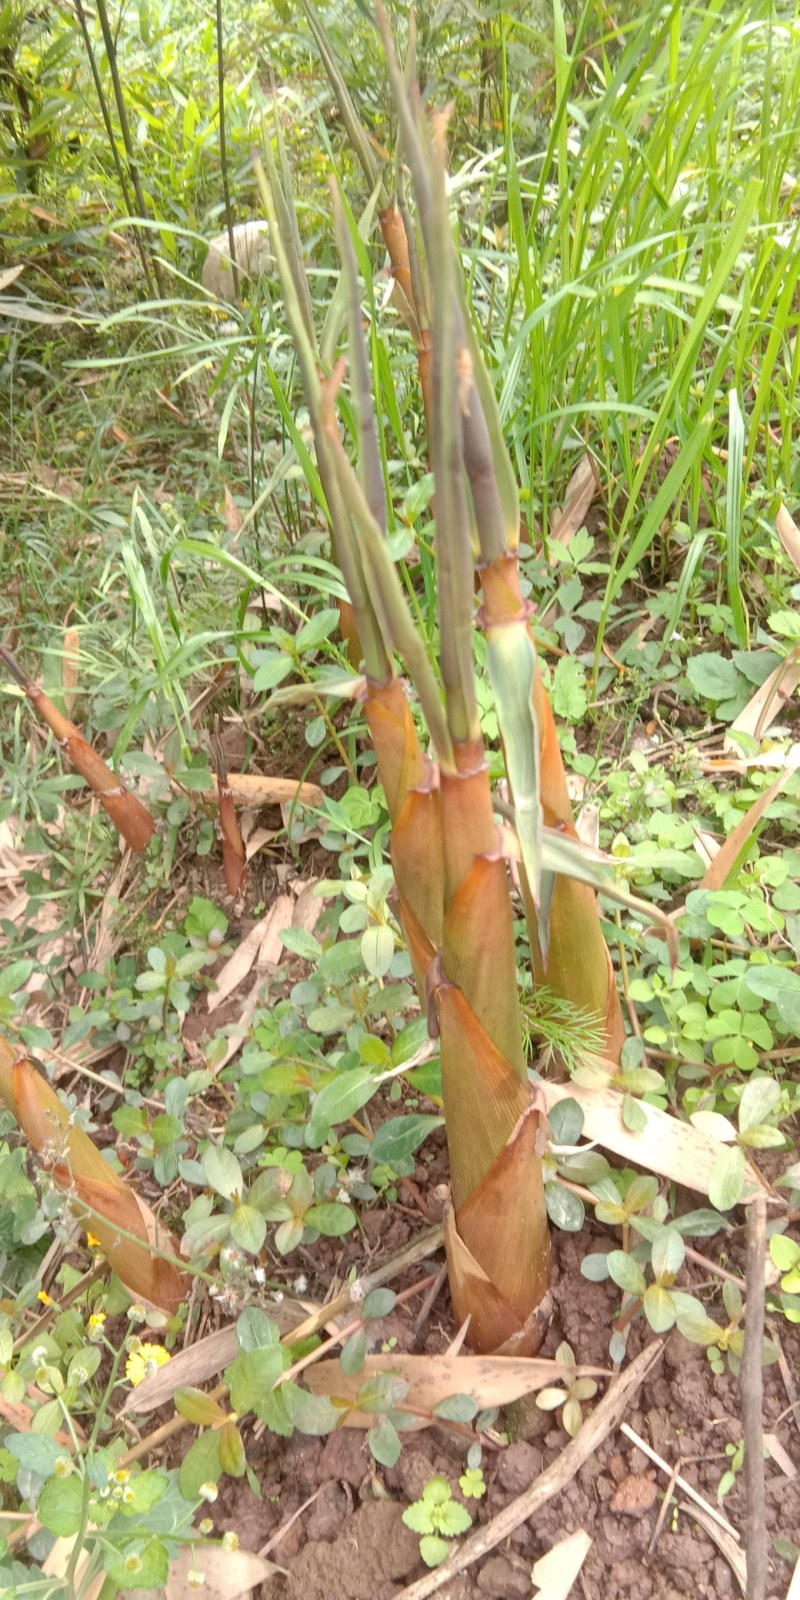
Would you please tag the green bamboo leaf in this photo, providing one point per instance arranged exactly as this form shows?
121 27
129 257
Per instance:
511 659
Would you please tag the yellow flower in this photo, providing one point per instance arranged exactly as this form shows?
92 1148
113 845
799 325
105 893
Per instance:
93 1241
46 1299
145 1362
97 1319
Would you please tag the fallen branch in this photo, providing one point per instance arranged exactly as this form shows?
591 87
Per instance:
603 1421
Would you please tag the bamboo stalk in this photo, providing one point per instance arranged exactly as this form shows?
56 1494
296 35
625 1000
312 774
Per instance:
223 150
112 142
125 130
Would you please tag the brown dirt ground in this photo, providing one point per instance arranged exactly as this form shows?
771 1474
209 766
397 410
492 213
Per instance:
351 1542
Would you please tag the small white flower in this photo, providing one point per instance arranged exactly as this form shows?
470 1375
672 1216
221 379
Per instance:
208 1491
259 1275
300 1284
196 1579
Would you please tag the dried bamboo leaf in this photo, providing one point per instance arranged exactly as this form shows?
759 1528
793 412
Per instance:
673 1149
767 704
789 535
490 1380
718 873
227 1574
582 489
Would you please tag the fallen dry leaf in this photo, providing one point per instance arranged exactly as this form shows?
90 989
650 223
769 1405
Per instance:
673 1149
735 1557
233 516
309 905
70 667
490 1380
227 1574
258 840
10 274
555 1573
280 917
203 1360
789 535
56 482
717 874
240 1030
766 705
767 760
780 1456
237 966
57 1561
707 847
582 489
793 1591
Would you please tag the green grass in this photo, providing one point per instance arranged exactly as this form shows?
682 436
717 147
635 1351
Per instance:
653 270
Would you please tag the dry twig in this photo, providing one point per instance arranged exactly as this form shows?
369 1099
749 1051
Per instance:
751 1388
675 1477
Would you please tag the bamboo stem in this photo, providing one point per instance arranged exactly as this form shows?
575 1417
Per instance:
125 129
223 150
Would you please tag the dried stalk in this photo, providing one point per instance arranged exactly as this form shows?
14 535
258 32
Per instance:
751 1389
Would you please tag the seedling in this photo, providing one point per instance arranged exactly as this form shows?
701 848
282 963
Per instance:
571 1397
437 1517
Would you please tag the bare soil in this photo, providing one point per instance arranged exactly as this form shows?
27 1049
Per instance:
351 1543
